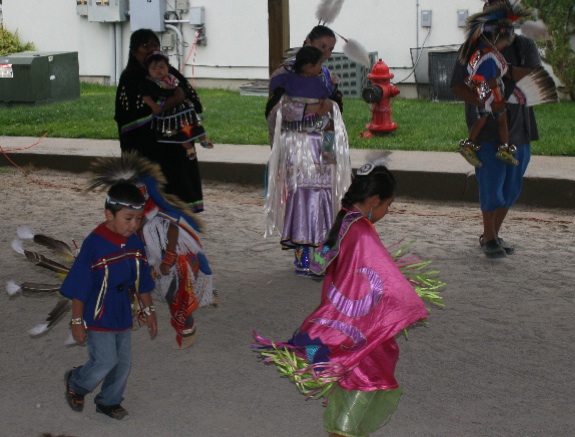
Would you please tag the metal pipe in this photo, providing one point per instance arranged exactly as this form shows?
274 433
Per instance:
119 57
112 54
179 44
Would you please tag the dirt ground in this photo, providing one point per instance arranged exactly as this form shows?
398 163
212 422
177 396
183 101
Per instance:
497 361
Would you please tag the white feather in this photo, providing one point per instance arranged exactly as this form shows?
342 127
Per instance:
357 53
18 246
40 328
12 288
70 340
328 10
25 232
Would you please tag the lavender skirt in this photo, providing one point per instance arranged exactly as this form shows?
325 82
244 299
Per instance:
309 207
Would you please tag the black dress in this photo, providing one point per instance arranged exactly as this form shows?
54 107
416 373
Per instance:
134 119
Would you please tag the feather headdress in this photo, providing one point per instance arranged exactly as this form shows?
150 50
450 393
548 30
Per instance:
328 10
496 19
134 168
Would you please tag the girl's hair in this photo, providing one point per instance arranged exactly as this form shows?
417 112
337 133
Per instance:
306 55
378 181
156 57
124 195
319 31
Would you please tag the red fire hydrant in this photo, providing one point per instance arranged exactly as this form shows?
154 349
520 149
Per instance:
379 93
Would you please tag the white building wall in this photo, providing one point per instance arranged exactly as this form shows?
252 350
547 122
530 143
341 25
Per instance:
237 33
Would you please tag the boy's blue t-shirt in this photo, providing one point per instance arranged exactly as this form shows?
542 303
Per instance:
106 269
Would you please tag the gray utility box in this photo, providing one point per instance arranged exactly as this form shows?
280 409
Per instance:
39 77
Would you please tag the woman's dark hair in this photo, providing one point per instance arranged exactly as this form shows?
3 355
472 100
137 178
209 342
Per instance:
124 195
318 32
138 38
306 55
379 181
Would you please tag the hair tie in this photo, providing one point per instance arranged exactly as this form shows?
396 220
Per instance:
365 169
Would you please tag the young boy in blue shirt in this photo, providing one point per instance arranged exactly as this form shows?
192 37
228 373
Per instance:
110 267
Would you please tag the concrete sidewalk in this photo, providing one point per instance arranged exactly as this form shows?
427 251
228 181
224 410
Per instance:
443 176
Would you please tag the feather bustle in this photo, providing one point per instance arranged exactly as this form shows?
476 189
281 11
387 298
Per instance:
129 167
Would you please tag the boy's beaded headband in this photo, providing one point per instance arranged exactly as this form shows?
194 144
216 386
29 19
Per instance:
128 205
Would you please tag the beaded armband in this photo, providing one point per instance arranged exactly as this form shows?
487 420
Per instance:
169 258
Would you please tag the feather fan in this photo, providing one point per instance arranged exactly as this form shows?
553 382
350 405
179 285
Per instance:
42 261
538 87
328 10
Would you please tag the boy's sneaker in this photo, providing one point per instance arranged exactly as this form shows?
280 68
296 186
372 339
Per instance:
75 400
114 411
505 154
468 150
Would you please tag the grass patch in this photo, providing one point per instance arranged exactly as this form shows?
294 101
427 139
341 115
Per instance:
234 119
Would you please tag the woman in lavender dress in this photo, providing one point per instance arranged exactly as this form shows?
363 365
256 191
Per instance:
304 185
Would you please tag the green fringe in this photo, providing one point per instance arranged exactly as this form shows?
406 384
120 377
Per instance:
298 370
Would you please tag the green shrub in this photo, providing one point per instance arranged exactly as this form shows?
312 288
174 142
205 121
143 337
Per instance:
10 43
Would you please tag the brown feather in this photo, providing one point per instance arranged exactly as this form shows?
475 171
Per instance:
33 287
42 261
61 308
57 246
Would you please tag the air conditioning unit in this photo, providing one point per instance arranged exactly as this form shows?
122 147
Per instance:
39 77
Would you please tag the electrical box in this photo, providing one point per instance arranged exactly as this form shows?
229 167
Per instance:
82 8
425 18
197 16
39 77
182 5
462 17
147 14
111 11
167 41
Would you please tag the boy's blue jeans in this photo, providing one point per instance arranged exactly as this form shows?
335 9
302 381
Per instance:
110 360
